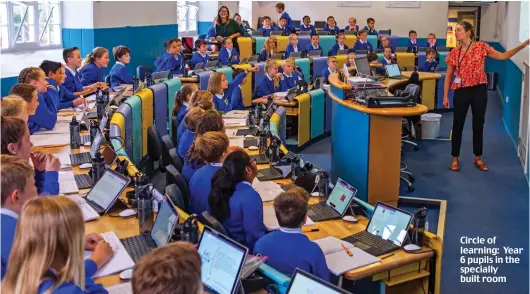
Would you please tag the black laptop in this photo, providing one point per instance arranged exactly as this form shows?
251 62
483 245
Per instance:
336 205
304 282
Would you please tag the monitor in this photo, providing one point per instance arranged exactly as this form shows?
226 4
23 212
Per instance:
222 262
320 24
304 282
363 66
103 123
392 70
341 196
389 223
315 53
166 220
94 148
107 189
297 23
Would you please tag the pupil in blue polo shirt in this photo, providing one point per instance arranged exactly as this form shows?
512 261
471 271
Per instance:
92 69
412 44
119 74
72 59
352 25
431 42
62 98
282 26
288 248
280 9
228 54
340 44
332 68
362 43
222 89
266 27
315 44
307 26
271 82
331 26
290 75
200 55
430 64
370 28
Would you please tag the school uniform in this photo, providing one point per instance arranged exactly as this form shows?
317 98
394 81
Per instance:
69 287
210 35
181 113
188 169
311 28
180 131
371 32
263 56
347 28
236 100
72 82
392 48
266 87
325 74
313 48
291 80
47 182
381 69
59 95
45 116
412 46
285 30
289 25
120 75
185 143
245 224
91 74
288 249
335 30
198 58
335 49
173 63
223 102
267 31
430 66
200 187
360 45
435 46
228 57
290 48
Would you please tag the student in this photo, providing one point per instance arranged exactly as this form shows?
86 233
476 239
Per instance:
352 25
236 100
202 99
430 64
228 54
350 63
55 76
176 266
72 59
191 120
172 59
280 9
92 69
340 44
282 26
293 45
412 44
182 101
331 26
222 90
234 202
119 74
266 27
296 250
290 75
387 59
16 141
29 94
14 106
370 28
211 35
46 113
269 48
332 68
315 45
200 55
385 42
307 26
208 153
53 264
270 83
362 43
431 42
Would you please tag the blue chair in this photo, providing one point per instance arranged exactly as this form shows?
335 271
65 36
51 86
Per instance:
141 70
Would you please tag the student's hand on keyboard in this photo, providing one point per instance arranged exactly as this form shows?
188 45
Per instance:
102 253
52 163
92 240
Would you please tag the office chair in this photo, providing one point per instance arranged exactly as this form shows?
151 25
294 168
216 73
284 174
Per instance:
141 70
174 131
207 219
173 176
167 144
174 193
154 167
174 159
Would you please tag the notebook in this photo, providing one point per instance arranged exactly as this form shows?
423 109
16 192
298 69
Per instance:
50 140
125 288
267 190
119 262
67 184
271 222
236 114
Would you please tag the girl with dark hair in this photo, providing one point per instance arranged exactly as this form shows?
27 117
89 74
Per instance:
234 202
182 101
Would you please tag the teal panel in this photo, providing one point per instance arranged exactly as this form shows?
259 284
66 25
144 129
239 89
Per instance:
274 129
304 65
173 85
259 43
317 112
80 38
443 55
203 27
380 57
373 41
227 70
7 84
326 42
136 105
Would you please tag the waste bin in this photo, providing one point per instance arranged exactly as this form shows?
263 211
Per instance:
492 81
430 125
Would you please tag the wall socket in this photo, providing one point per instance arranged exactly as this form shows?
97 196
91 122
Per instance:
507 99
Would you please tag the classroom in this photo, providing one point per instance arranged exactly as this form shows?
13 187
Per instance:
265 147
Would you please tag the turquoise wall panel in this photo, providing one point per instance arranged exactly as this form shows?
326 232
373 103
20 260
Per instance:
204 26
7 83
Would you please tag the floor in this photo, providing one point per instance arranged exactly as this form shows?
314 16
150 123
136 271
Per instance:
479 204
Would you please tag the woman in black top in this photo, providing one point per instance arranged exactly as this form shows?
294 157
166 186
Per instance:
227 27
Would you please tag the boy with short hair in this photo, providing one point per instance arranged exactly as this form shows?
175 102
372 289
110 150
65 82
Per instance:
331 26
266 27
280 9
412 44
362 43
370 28
340 44
315 45
332 68
431 42
200 55
282 26
119 74
387 59
307 26
296 250
352 25
72 83
430 64
290 75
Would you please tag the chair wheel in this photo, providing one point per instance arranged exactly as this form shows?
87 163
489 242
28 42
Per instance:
411 179
416 148
410 188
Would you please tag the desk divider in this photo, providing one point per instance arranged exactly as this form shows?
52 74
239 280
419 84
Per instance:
259 43
245 47
117 129
203 79
227 70
328 112
319 64
126 112
146 96
317 112
394 41
373 40
305 66
341 60
350 40
304 118
303 42
428 93
327 42
281 111
442 55
282 42
136 106
159 92
274 124
246 89
173 86
405 59
422 57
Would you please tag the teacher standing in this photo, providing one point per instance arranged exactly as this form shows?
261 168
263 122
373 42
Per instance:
227 27
469 85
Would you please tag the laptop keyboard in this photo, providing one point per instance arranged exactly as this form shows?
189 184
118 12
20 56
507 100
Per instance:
324 211
80 158
95 206
375 241
244 132
269 174
138 246
84 181
85 139
260 158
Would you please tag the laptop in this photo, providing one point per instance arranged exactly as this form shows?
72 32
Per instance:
315 53
297 23
342 52
291 93
362 65
385 232
276 56
104 120
304 282
401 49
85 181
320 24
393 72
253 58
160 235
304 33
222 262
198 67
115 99
276 33
350 32
243 60
296 55
336 205
160 76
210 65
323 33
84 157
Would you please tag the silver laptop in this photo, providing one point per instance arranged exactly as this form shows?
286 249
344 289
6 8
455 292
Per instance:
342 52
160 76
393 72
276 33
304 33
296 54
304 282
106 191
276 56
210 65
315 53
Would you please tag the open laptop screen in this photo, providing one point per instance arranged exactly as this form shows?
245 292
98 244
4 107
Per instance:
107 189
363 66
94 148
389 223
392 70
303 282
222 261
165 222
341 196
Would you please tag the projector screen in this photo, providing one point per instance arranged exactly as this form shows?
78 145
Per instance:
524 24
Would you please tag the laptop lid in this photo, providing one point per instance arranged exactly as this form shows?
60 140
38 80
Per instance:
253 58
342 52
166 220
108 189
276 56
222 262
350 32
276 33
297 23
243 60
296 54
341 196
389 223
291 93
323 33
117 97
198 66
210 65
392 70
320 24
362 65
315 53
161 75
304 282
304 33
94 148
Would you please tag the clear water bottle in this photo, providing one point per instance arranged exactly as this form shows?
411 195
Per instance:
262 142
323 184
75 137
100 106
145 210
136 83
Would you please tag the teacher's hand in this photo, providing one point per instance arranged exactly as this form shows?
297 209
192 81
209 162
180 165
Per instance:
446 102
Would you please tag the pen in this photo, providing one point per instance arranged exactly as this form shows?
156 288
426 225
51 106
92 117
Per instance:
387 256
312 230
346 249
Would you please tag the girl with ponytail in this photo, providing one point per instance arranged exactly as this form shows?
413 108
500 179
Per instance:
182 100
270 83
234 202
222 89
92 69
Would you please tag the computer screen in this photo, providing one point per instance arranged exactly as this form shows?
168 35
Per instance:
363 66
222 260
392 70
303 282
341 196
103 124
165 223
94 148
107 188
389 223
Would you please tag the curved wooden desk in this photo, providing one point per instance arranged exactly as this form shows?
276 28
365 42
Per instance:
366 142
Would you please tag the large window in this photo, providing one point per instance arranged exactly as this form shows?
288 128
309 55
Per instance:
30 25
187 17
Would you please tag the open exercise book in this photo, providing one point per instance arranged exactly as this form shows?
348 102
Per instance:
119 262
337 258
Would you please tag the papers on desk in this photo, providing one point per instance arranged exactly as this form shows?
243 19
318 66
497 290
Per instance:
65 159
91 98
67 184
232 133
50 140
125 288
239 142
280 94
235 122
60 128
358 80
267 190
81 108
271 222
236 114
68 118
119 262
337 258
89 213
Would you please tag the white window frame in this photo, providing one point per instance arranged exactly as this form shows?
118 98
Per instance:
188 18
26 46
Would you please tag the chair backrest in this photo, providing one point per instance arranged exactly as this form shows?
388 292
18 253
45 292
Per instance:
207 219
167 144
154 143
174 159
141 70
319 82
414 90
174 127
135 104
160 114
174 193
173 176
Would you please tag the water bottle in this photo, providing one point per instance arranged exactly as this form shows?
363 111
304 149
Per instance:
250 119
420 220
262 142
136 83
295 167
100 106
105 95
148 79
94 126
98 167
145 209
190 230
323 184
75 137
274 151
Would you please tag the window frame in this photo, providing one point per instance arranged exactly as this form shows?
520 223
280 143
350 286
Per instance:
188 20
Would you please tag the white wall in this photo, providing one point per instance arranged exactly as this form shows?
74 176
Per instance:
430 17
112 14
77 14
208 10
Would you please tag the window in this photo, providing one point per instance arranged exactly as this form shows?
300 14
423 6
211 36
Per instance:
187 17
29 25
